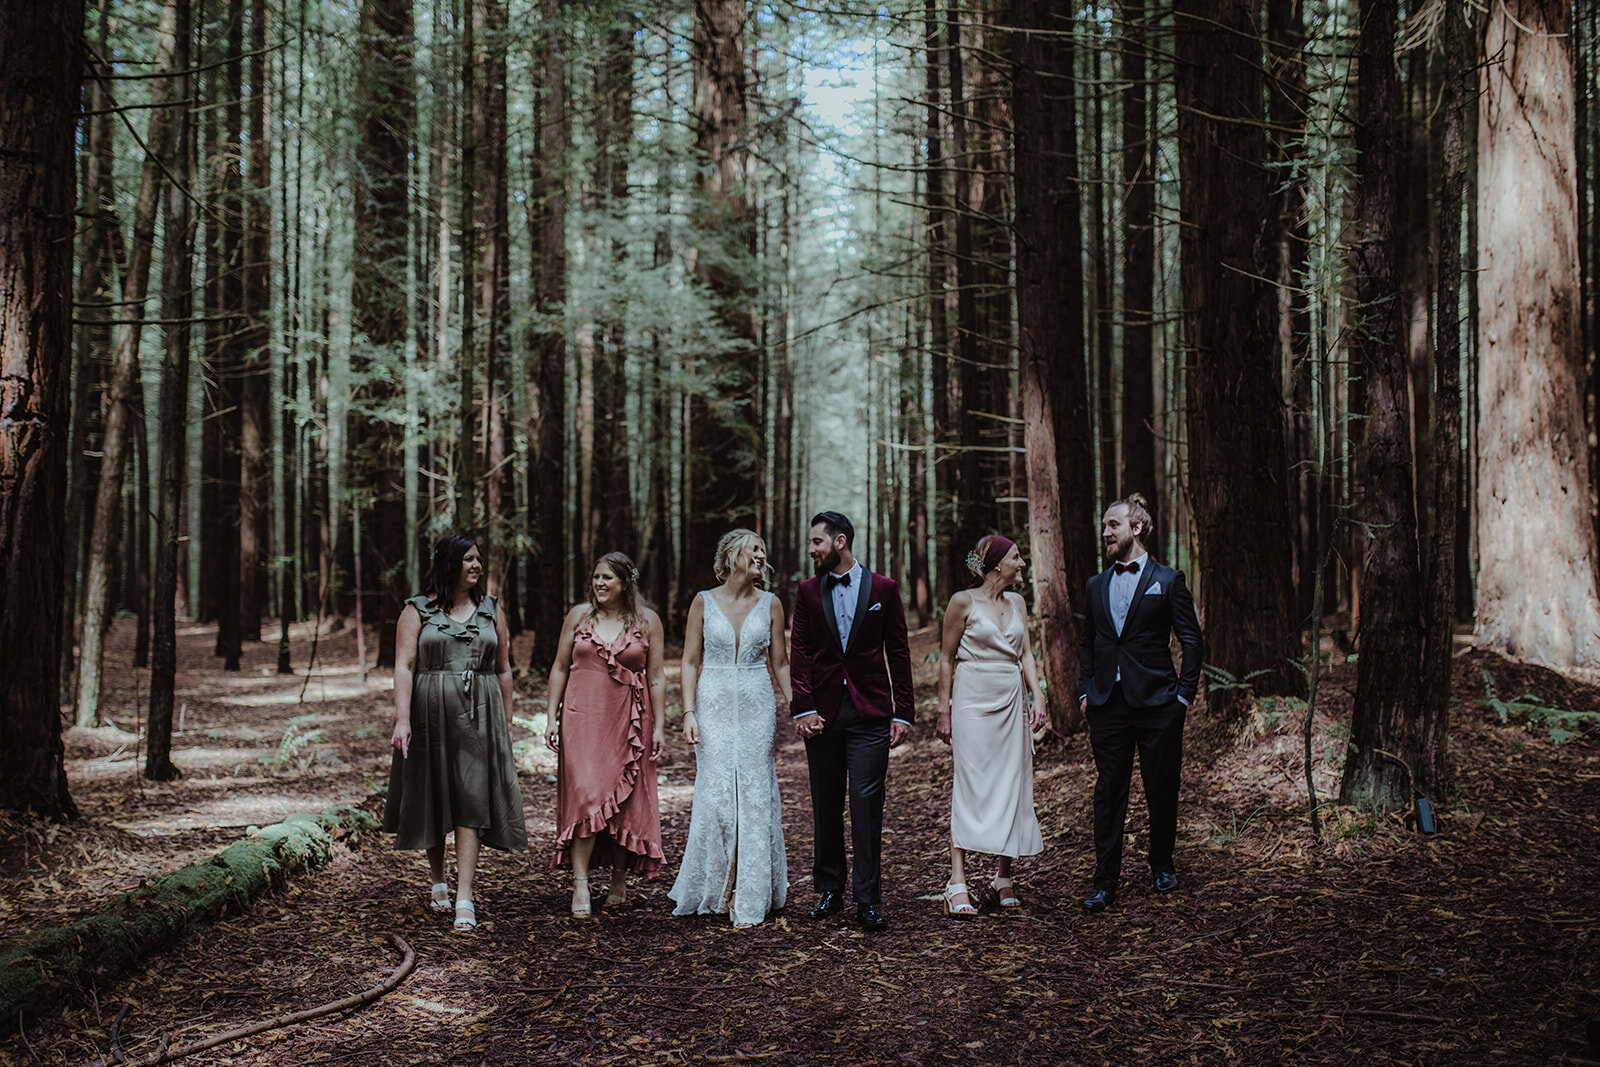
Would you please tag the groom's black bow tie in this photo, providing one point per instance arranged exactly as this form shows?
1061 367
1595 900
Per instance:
1131 568
838 579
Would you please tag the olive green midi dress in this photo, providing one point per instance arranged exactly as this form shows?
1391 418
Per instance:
460 771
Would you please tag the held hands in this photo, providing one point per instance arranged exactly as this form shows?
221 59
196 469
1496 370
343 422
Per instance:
402 737
808 726
691 728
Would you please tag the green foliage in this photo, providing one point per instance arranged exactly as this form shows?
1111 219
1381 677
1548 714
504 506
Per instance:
1223 836
300 749
1219 680
1273 709
1563 725
535 725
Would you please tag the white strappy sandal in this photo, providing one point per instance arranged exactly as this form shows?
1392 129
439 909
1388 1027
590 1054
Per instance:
1008 892
954 910
466 916
439 898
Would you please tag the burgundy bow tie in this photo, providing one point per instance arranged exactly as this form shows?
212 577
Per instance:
1131 568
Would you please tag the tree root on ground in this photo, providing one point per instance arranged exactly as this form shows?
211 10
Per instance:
355 1000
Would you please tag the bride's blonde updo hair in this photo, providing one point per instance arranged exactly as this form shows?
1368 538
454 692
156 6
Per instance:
733 542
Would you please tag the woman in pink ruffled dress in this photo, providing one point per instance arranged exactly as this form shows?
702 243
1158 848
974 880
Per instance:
608 692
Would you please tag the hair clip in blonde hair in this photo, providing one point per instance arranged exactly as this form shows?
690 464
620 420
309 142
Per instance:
974 564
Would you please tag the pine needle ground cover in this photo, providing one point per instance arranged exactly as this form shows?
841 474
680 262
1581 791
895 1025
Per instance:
1481 942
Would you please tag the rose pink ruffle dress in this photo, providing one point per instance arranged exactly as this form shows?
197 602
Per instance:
606 777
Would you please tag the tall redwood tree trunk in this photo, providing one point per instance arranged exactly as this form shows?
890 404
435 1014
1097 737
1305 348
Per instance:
722 448
1386 732
255 422
1055 401
1238 470
547 388
38 122
1537 595
1456 85
386 110
1138 467
177 304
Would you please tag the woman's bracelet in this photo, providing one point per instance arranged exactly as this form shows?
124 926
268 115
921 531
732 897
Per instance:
688 711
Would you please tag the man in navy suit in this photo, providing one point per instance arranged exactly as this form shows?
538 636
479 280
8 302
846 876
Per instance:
850 669
1131 696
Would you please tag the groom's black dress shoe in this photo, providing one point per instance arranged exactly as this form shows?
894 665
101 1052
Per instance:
1100 900
827 904
871 917
1166 882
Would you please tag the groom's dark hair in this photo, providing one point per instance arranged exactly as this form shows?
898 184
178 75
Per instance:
835 523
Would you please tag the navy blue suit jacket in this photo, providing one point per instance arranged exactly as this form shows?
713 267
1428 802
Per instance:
1141 651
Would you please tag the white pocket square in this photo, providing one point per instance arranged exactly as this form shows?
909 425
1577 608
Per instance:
1155 589
876 607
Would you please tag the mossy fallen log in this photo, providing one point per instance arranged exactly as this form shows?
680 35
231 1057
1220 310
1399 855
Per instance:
161 912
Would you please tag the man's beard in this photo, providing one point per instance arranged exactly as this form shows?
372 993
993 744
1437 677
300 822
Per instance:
1115 548
828 562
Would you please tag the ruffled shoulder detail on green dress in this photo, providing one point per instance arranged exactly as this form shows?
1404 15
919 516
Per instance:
462 631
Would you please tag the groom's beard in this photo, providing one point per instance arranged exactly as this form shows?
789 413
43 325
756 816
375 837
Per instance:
828 562
1115 549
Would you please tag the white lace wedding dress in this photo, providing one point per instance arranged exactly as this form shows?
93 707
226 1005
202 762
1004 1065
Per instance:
734 859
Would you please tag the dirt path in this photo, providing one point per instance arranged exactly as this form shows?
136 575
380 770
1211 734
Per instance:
1481 942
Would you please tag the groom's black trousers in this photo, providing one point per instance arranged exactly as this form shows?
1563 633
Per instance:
1116 732
850 750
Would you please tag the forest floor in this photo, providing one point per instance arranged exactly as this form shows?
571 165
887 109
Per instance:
1383 946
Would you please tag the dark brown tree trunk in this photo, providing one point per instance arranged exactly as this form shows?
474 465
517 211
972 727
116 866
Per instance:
1100 252
255 439
466 445
138 563
1238 470
177 305
225 327
1138 468
38 120
1457 63
1532 454
493 303
943 575
386 106
547 388
1287 103
120 422
610 520
722 450
1387 745
1055 400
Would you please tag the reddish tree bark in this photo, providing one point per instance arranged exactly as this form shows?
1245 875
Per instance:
1055 401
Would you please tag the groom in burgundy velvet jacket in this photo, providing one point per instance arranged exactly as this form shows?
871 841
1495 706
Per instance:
850 667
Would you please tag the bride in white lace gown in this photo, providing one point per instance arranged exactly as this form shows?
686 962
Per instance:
735 651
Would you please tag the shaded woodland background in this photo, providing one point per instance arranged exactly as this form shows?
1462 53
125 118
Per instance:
334 278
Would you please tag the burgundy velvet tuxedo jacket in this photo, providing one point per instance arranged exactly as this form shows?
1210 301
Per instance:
875 669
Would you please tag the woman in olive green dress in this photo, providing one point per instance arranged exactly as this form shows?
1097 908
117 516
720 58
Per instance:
453 769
